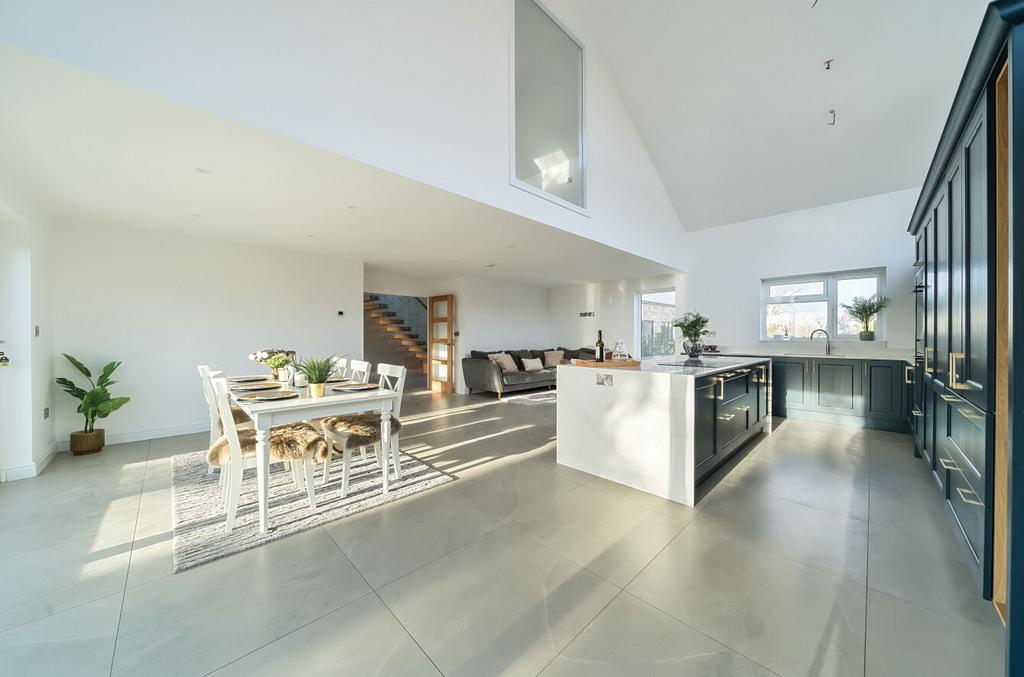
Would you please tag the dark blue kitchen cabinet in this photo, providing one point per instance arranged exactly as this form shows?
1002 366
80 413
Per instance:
837 387
727 415
704 444
791 384
885 387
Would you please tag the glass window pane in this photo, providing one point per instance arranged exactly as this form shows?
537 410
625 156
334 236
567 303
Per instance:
657 310
795 320
797 289
548 105
847 290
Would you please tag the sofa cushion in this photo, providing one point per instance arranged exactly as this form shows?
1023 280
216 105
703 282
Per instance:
519 356
478 354
505 361
569 353
552 358
533 363
542 377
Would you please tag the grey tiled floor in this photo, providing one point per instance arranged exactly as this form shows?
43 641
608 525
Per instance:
825 551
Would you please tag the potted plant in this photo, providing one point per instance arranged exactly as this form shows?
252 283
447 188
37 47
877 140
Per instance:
277 363
316 372
864 311
94 403
694 327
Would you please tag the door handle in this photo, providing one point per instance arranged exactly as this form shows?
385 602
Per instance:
954 379
907 371
969 501
929 370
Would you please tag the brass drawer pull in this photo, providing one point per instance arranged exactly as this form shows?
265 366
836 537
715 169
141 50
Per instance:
948 464
969 501
954 380
727 417
908 374
721 382
950 398
930 370
916 412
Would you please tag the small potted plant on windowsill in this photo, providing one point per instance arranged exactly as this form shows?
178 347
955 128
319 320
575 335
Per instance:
864 310
694 327
94 403
316 372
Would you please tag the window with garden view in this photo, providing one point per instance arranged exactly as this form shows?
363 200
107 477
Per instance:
793 307
657 310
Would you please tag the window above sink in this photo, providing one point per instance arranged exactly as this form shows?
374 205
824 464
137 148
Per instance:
795 306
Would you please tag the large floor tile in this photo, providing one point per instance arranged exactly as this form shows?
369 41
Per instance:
834 492
610 536
48 580
823 540
513 489
153 549
785 616
664 506
361 638
895 465
76 642
199 620
500 605
928 571
631 637
163 447
915 511
904 639
394 539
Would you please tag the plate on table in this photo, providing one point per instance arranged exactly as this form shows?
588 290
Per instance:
262 385
355 387
337 379
269 397
247 379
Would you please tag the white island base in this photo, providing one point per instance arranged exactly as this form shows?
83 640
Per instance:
636 426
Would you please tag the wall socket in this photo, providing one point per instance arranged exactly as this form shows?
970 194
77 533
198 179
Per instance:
46 413
37 331
604 379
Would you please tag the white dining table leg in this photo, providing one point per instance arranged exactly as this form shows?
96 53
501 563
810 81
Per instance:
262 472
385 441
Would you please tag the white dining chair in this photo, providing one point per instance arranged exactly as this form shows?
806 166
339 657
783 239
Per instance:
341 367
241 418
345 433
241 452
359 371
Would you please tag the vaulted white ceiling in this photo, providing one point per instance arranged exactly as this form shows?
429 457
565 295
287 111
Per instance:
732 98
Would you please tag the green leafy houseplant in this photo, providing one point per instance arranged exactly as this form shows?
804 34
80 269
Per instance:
693 326
864 309
94 403
279 360
316 371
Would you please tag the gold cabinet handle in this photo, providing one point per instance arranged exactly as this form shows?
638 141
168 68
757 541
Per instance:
727 417
916 412
947 464
929 370
721 382
969 501
907 371
950 398
954 380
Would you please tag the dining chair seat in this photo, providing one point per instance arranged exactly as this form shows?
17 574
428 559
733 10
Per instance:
288 442
361 430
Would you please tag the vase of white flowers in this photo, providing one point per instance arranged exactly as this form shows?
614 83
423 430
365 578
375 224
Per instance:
275 358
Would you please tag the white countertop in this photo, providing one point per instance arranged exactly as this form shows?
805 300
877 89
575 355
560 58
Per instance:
881 354
710 364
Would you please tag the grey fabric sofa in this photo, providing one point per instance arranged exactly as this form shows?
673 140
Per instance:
480 373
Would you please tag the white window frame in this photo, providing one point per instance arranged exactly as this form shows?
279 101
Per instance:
831 297
513 179
638 305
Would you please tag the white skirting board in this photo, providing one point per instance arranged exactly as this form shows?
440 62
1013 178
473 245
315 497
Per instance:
24 472
121 438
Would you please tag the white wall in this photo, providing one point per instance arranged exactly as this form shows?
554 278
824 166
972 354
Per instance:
724 280
417 88
615 307
163 304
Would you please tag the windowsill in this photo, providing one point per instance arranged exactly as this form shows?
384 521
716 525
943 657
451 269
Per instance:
834 339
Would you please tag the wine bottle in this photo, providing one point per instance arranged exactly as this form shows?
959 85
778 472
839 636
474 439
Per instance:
600 347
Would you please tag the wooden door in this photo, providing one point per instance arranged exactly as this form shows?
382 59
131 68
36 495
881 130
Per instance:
441 343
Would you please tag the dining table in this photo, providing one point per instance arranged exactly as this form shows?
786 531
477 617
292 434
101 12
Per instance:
303 407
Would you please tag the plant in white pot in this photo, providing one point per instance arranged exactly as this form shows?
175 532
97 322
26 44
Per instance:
864 310
94 403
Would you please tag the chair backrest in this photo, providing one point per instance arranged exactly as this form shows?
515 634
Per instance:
227 420
211 397
341 366
360 371
392 377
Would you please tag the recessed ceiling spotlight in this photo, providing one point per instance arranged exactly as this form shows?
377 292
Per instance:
353 207
512 246
203 170
310 235
488 265
567 260
196 216
453 261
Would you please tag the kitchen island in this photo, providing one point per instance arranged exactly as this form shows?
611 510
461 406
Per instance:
664 426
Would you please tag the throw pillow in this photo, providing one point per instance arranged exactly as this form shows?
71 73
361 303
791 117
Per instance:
532 364
503 360
552 358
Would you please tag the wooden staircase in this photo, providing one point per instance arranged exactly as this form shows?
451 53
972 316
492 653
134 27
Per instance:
396 328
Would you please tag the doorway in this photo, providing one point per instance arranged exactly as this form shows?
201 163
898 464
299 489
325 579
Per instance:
395 332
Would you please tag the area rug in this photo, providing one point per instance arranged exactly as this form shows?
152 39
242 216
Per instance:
200 535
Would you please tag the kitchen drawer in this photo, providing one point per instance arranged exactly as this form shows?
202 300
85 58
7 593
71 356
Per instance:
737 384
966 431
968 508
733 421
